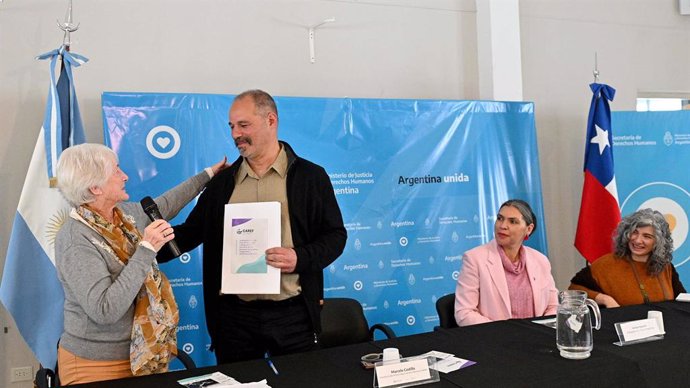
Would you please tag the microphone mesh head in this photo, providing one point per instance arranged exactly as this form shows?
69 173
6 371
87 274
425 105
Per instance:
147 203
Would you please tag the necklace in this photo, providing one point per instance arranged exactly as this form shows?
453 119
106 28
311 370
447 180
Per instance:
645 296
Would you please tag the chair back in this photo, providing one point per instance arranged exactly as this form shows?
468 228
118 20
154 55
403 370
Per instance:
342 323
46 378
185 359
445 307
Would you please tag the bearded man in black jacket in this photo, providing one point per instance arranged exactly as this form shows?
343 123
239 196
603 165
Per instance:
246 327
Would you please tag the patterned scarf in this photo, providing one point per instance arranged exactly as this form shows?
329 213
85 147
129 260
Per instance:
154 330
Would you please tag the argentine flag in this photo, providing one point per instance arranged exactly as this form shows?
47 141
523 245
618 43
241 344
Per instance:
30 289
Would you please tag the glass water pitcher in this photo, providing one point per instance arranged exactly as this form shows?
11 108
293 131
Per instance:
574 324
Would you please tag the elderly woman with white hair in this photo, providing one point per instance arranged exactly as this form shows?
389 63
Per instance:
639 270
120 313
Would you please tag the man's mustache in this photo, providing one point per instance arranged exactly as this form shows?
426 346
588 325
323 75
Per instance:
242 139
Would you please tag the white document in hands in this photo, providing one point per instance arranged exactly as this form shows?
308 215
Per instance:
249 229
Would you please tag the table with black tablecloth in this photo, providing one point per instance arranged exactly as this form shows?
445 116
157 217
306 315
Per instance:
514 353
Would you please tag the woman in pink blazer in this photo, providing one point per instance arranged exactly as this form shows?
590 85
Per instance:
504 279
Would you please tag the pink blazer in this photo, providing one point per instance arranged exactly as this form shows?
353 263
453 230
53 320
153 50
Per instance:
481 294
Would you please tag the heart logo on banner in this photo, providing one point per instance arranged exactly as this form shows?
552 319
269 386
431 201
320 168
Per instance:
163 141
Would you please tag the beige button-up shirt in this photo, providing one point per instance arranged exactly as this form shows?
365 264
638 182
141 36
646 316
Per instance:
271 187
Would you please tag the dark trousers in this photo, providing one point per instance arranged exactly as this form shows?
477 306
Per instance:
248 330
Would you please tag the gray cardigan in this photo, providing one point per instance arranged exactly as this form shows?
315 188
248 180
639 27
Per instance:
99 290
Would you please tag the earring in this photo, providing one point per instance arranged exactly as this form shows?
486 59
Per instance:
526 237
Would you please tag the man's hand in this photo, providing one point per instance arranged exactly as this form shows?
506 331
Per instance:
283 258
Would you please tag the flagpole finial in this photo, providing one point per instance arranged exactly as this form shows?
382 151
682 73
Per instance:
68 26
595 72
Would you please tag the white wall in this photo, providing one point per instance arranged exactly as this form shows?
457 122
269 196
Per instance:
376 48
641 45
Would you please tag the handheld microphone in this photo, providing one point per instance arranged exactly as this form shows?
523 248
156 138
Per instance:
151 210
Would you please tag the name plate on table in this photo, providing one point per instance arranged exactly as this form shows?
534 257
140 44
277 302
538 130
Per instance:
683 297
404 373
642 330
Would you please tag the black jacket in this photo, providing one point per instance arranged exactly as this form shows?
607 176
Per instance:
318 233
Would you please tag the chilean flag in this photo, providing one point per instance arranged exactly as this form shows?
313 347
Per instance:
599 210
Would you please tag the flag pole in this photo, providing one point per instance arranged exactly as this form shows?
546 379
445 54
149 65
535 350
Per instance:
63 53
595 72
68 27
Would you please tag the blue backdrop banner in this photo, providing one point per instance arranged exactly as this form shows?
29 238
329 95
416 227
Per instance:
651 154
419 182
